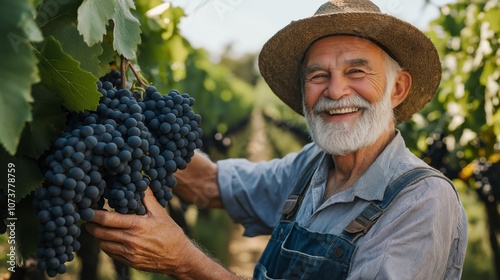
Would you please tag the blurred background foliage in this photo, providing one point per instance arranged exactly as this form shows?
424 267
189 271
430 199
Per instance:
458 132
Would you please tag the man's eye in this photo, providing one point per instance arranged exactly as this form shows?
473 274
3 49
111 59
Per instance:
318 78
356 73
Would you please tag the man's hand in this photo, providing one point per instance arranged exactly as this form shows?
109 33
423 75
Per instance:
152 242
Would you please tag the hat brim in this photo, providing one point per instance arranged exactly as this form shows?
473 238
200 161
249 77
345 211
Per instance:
281 57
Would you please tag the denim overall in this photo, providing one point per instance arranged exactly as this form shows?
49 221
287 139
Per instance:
294 252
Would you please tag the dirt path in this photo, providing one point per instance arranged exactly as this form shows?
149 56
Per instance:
244 251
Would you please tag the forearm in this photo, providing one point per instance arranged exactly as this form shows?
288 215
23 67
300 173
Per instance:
198 182
198 265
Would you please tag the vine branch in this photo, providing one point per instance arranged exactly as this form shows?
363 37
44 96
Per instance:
143 84
123 70
124 65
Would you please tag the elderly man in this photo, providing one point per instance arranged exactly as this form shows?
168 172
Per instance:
355 203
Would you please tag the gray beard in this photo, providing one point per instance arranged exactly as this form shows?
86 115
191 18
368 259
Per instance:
342 137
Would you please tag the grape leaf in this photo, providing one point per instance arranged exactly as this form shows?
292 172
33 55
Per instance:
496 122
17 17
53 10
179 52
18 71
126 32
174 15
27 175
93 16
62 74
48 122
107 56
491 16
489 69
65 31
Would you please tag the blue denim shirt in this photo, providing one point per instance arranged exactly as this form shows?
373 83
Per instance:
422 235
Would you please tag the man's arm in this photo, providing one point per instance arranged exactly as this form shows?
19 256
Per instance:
154 243
198 182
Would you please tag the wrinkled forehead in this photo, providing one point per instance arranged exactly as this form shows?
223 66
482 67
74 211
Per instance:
342 48
347 43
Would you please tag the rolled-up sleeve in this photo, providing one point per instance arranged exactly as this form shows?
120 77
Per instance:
253 193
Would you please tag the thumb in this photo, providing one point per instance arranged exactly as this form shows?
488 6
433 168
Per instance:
150 202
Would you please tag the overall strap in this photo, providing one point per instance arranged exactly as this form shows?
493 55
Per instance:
362 223
293 201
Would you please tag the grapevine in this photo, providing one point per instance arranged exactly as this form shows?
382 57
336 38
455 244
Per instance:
134 139
436 155
486 176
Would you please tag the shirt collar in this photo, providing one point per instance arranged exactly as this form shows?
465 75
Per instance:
372 184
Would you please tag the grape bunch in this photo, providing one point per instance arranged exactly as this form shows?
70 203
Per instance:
112 155
437 155
487 180
114 77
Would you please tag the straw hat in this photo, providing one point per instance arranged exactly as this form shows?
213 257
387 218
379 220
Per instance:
281 57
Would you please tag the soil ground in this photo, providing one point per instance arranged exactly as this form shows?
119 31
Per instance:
244 251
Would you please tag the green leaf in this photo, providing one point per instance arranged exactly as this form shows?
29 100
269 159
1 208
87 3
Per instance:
65 31
178 53
93 17
31 31
126 32
496 123
488 70
108 55
62 74
48 122
50 10
17 16
492 16
18 69
27 175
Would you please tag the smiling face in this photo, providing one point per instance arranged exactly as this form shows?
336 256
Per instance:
347 104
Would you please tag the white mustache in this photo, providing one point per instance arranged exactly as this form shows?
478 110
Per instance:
326 104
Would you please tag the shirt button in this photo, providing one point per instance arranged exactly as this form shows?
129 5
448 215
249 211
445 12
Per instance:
280 232
339 252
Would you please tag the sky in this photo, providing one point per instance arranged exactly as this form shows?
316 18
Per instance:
247 24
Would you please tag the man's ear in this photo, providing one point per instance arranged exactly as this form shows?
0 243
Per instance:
401 88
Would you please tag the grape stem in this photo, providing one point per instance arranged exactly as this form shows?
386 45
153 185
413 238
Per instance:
125 63
123 70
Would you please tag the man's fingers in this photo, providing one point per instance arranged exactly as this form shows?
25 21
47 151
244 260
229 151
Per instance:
152 205
103 233
114 219
117 220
